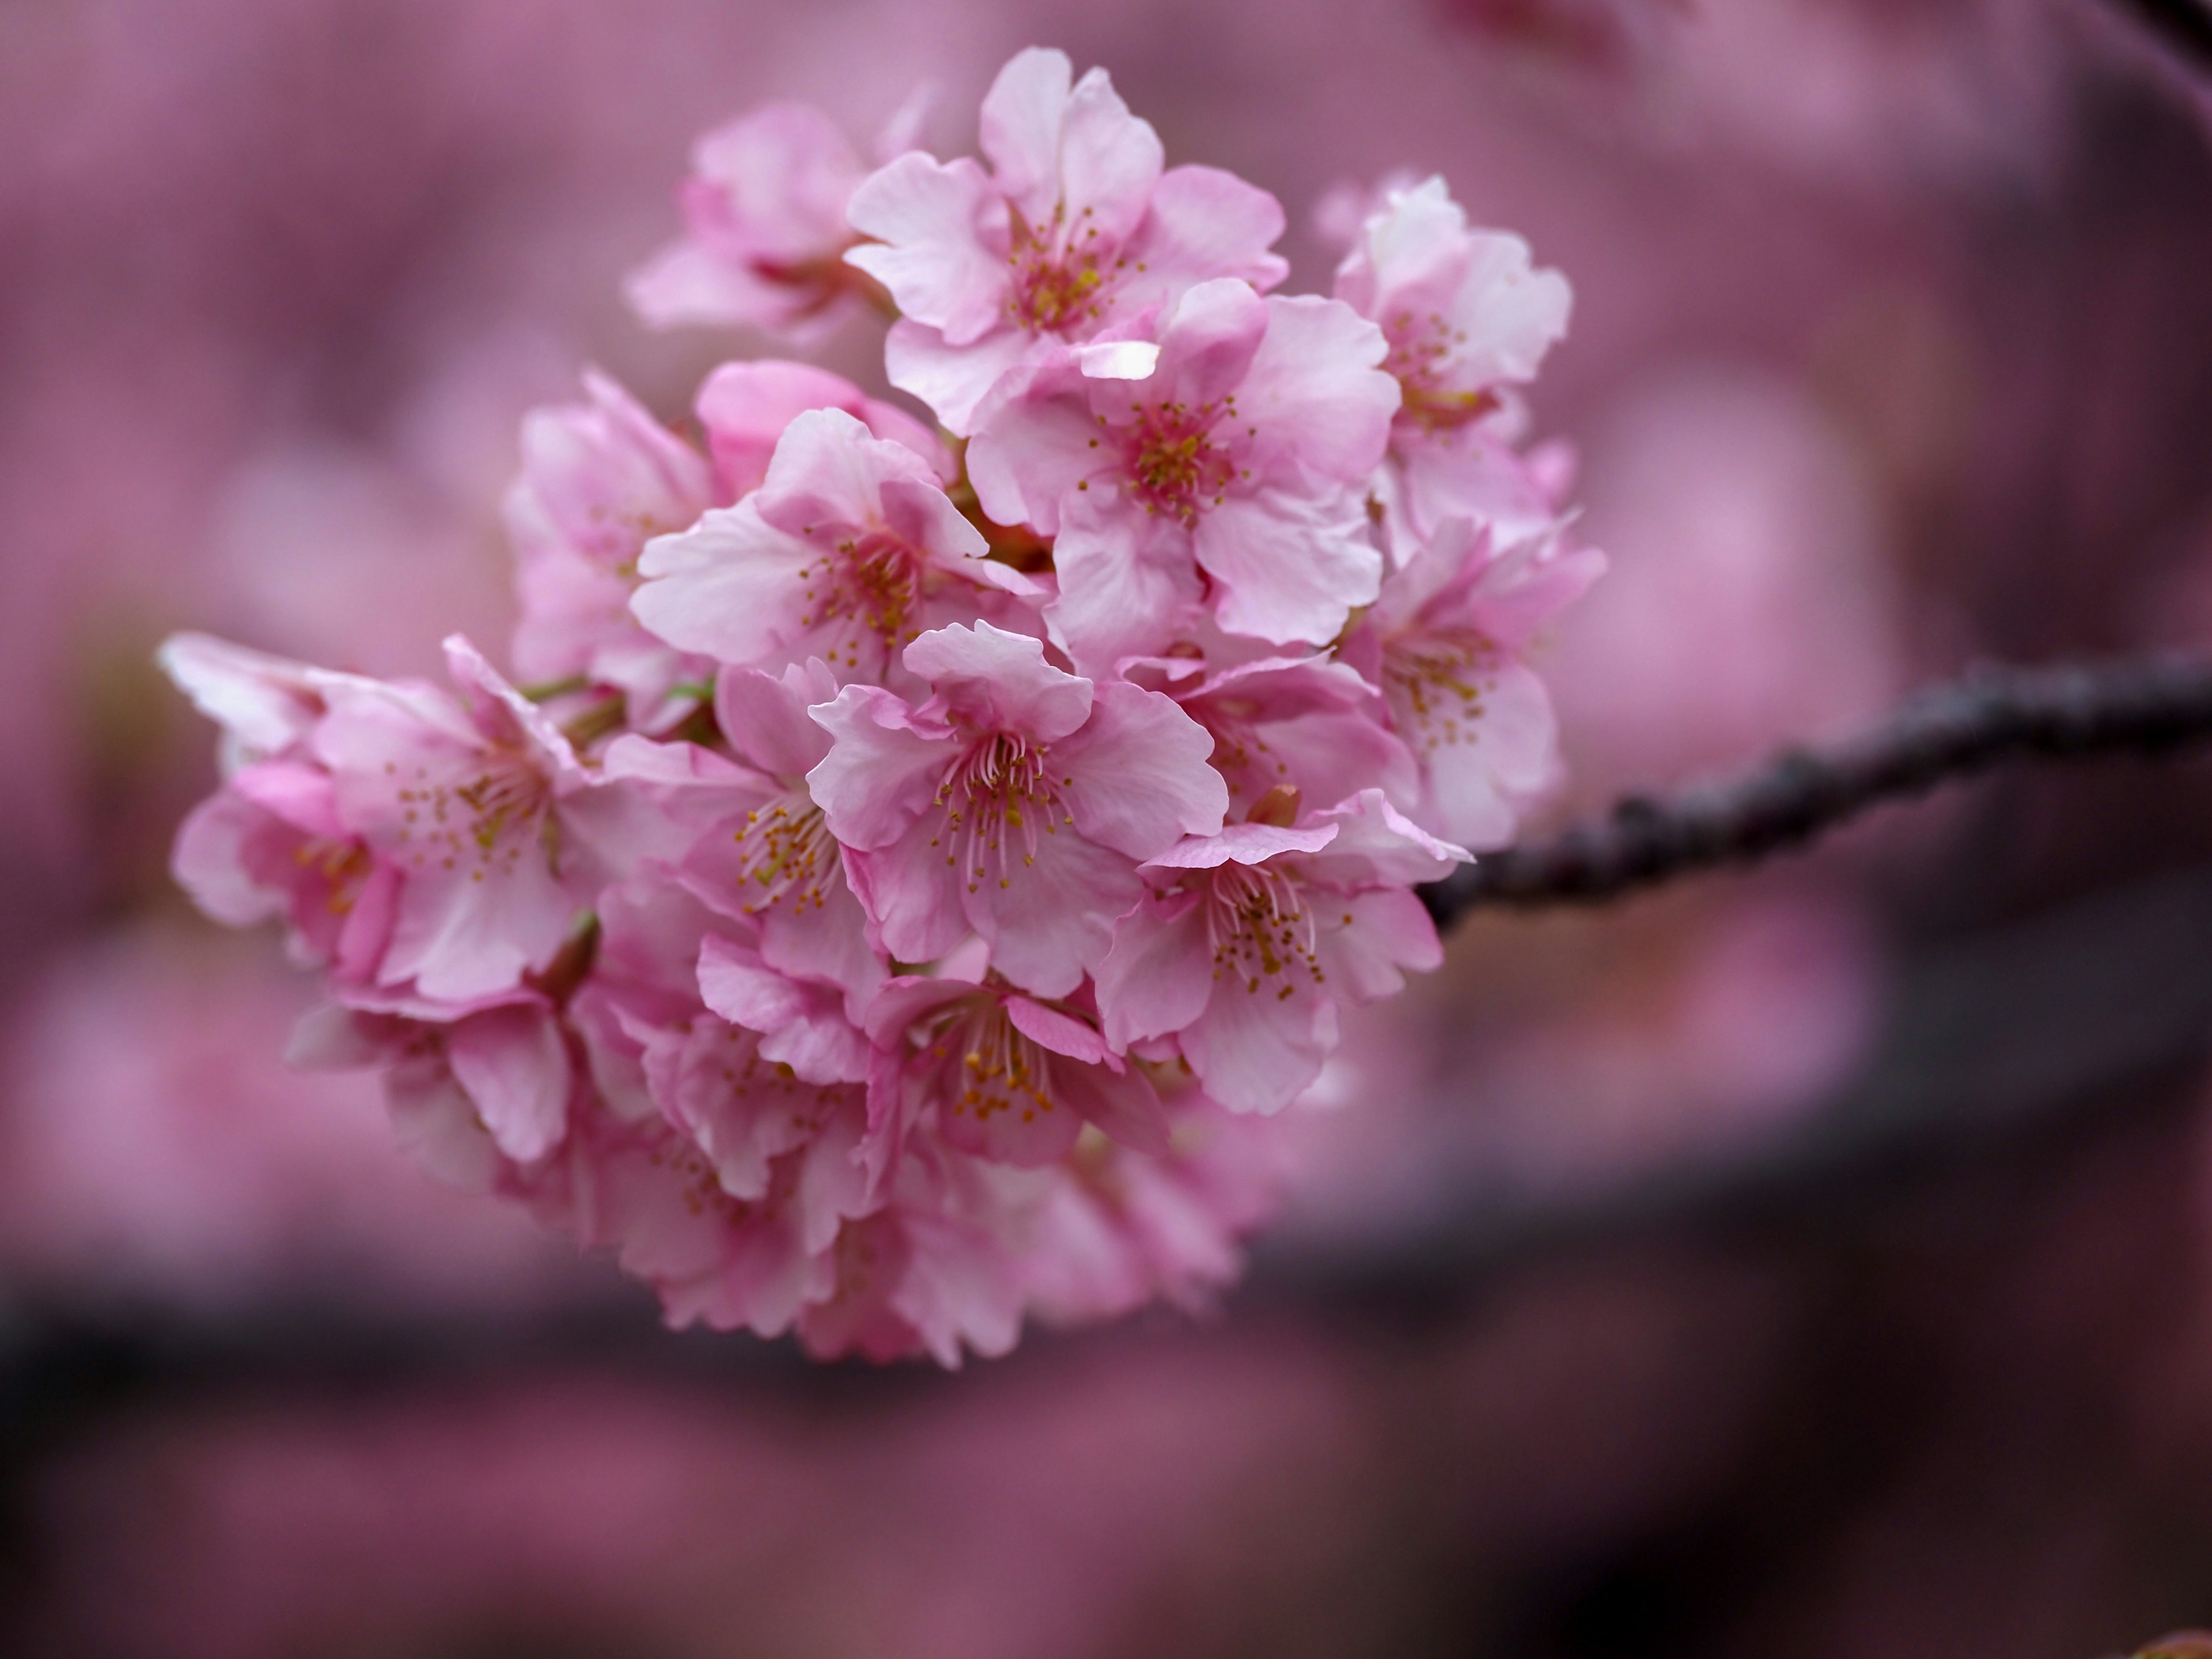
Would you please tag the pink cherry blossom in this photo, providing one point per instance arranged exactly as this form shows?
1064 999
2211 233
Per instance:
766 855
497 833
1074 229
1307 723
1264 934
1467 318
475 1090
1445 640
269 844
765 229
1000 1075
1230 460
1119 1228
848 550
1016 802
598 481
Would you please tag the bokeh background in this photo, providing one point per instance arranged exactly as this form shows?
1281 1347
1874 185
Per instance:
1817 1262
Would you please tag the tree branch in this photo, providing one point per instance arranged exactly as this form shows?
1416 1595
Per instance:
2142 706
2183 27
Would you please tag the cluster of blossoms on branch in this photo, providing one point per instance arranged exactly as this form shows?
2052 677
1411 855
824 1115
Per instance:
909 868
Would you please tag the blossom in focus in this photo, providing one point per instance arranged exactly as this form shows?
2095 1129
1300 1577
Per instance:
1446 640
848 551
765 232
1017 801
1261 934
1467 318
1075 228
891 906
1224 467
598 481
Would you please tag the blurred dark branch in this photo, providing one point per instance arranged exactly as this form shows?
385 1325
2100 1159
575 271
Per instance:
2143 706
2184 27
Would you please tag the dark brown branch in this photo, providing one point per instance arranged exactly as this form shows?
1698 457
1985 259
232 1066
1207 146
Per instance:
2138 706
2184 27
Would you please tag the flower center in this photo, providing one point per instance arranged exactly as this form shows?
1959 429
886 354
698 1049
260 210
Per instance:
1434 684
1421 350
986 1068
997 799
1174 461
786 851
1259 929
1058 283
487 821
872 580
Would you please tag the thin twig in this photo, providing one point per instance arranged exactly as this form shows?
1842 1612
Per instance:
2137 706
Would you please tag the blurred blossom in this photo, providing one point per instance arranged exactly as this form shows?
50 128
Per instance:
155 1144
1749 602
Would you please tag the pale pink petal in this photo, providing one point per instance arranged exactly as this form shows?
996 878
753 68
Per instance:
1157 978
1127 585
744 408
1209 344
882 769
1317 392
514 1067
940 232
1063 1034
1205 223
1292 564
730 588
268 702
801 1026
955 382
764 715
1367 938
912 895
1257 1050
1049 918
1036 441
1109 162
994 681
1377 845
1020 127
1138 773
1122 1102
1244 843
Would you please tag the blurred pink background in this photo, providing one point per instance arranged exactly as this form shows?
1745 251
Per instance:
1892 347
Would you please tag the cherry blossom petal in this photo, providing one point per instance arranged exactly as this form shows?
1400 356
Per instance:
1138 773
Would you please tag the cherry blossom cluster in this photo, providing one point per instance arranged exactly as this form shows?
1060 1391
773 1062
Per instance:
909 867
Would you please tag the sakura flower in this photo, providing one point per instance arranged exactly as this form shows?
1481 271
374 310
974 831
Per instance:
473 1089
767 855
1265 933
1308 724
497 834
1467 317
1120 1228
1445 641
1074 229
1000 1075
598 481
1231 457
746 407
1015 802
848 550
715 1258
269 844
936 1270
766 233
